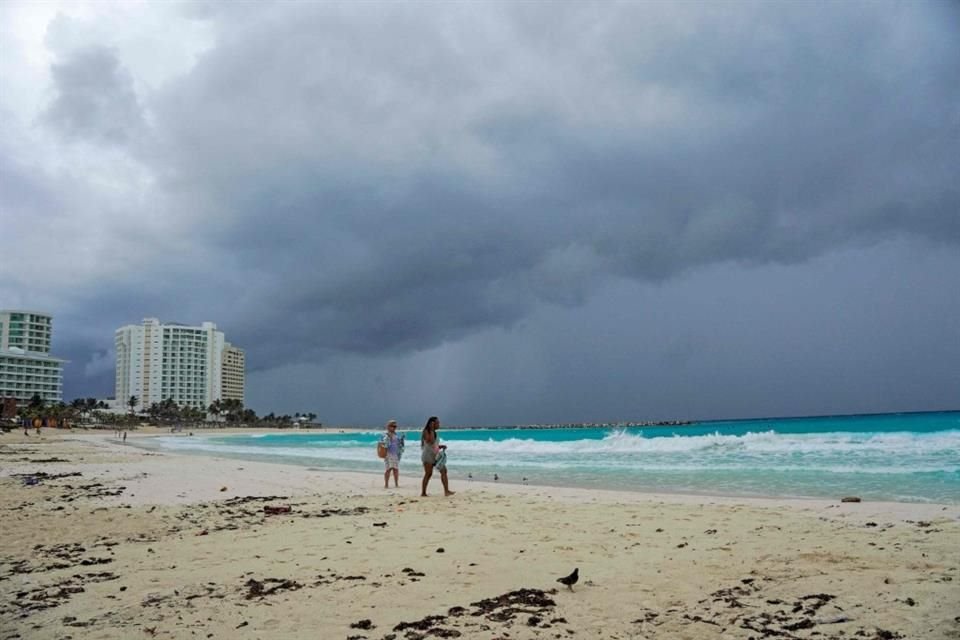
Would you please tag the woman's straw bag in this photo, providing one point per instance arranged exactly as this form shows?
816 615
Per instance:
381 450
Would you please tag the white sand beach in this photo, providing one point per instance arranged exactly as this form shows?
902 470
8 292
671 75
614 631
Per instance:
104 540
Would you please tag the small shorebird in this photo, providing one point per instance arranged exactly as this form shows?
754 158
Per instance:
571 579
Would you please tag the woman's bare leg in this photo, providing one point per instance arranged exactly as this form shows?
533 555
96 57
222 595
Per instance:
427 472
443 479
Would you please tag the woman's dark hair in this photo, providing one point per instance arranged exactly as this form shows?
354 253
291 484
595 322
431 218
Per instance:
428 427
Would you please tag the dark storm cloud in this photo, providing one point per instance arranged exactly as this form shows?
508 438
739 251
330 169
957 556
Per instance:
95 98
391 183
336 181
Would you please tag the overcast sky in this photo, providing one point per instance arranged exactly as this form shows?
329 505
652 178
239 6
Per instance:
497 212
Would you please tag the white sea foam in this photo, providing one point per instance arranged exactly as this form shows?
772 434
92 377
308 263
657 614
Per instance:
617 444
883 465
765 442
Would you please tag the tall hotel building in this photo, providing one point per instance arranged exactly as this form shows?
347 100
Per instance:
26 366
157 361
232 372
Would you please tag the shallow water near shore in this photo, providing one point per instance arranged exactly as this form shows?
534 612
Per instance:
890 457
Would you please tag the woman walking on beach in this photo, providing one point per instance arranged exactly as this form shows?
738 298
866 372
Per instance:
433 454
393 443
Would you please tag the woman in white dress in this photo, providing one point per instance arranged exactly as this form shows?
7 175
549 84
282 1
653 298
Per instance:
393 443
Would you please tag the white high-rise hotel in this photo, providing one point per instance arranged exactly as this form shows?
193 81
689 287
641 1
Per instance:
193 365
26 366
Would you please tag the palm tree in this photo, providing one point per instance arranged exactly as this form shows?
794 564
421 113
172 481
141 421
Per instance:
56 413
78 405
234 408
215 408
36 402
34 408
191 414
169 410
132 403
75 410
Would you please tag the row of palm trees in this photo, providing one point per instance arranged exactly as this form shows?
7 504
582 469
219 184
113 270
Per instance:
90 410
79 411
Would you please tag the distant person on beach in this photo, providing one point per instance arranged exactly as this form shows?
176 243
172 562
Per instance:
394 445
433 454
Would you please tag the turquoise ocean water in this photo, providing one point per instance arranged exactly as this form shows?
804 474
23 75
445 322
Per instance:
900 457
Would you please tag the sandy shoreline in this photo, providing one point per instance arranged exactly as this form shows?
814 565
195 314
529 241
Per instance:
143 544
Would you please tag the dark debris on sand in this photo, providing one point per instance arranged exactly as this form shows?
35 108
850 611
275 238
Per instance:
529 607
335 577
246 511
748 606
69 492
46 576
269 586
49 595
38 477
364 624
52 558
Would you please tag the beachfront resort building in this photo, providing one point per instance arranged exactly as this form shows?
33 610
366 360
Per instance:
233 376
156 361
26 366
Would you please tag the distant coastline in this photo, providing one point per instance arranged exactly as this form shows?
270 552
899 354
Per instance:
583 425
686 423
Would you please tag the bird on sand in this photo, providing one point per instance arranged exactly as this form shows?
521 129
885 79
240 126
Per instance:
571 579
